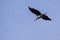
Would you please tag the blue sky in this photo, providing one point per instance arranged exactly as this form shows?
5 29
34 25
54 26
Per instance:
17 22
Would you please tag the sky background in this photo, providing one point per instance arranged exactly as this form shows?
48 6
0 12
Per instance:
17 22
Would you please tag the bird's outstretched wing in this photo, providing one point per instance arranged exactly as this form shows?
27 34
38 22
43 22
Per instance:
45 17
36 12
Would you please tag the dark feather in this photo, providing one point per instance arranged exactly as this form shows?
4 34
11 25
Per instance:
36 12
45 17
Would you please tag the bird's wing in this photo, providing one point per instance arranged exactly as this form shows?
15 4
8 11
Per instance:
45 17
36 12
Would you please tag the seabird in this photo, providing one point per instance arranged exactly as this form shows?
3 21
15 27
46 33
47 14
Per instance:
38 14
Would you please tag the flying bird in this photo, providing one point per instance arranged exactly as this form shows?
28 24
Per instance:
38 14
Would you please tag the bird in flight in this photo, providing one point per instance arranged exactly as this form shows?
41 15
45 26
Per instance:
38 14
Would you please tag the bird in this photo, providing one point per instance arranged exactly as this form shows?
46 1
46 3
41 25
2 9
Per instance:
38 14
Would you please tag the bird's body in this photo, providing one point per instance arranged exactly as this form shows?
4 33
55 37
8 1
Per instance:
39 15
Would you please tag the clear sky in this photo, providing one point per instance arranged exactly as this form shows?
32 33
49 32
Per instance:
17 22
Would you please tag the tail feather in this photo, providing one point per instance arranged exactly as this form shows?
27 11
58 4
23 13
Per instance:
36 19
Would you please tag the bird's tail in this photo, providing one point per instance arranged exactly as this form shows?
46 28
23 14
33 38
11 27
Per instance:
36 19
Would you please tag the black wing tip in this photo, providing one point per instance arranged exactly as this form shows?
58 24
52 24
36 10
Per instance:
29 7
50 20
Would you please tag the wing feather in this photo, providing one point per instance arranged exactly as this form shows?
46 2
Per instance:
36 12
45 17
